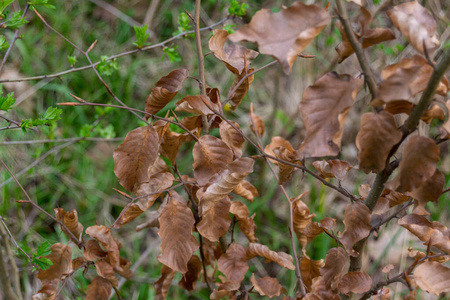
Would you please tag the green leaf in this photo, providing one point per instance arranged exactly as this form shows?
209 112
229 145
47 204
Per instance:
72 60
107 67
86 130
43 249
141 36
6 103
48 119
3 5
229 28
183 25
16 21
41 3
41 263
107 132
237 9
172 54
3 43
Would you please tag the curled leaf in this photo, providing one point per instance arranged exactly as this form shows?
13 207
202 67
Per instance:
103 235
233 263
247 190
232 137
333 168
241 90
256 124
301 218
93 251
200 105
429 191
291 30
189 279
281 258
215 219
71 222
164 282
99 289
357 226
246 224
433 277
267 286
333 269
165 90
106 271
310 269
356 282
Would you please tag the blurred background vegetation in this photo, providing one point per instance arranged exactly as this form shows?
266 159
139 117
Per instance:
79 174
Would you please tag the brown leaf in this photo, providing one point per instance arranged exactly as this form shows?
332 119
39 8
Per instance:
333 269
445 128
395 198
370 37
416 24
246 224
232 138
189 279
211 159
211 251
357 226
164 282
310 269
418 164
320 291
165 90
429 191
215 219
106 271
404 80
93 251
277 142
281 258
333 168
324 108
427 231
356 282
435 112
233 263
376 137
177 242
247 190
256 124
301 218
103 235
311 231
388 268
291 30
364 190
79 262
71 222
99 289
235 57
200 105
267 286
241 90
285 171
433 277
328 223
61 257
125 266
133 158
171 143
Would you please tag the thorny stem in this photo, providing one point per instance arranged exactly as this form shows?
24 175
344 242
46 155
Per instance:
368 75
408 127
72 236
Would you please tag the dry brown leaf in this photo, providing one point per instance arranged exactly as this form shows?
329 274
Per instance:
79 262
171 143
99 289
164 282
192 123
445 128
320 291
61 257
395 198
376 137
301 219
285 171
333 269
418 164
211 158
200 105
241 90
364 190
370 37
285 34
211 251
324 108
310 269
232 137
429 191
328 223
256 124
247 190
355 282
384 294
416 24
164 91
332 168
312 230
233 263
404 80
427 231
177 242
106 271
281 258
357 226
388 268
93 251
133 158
435 112
103 235
215 219
189 280
235 57
246 224
277 142
433 277
267 286
71 222
125 265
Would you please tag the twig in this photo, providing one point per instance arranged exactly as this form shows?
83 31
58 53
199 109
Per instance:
393 216
72 236
12 262
88 139
16 36
5 280
14 241
126 53
37 161
368 75
446 190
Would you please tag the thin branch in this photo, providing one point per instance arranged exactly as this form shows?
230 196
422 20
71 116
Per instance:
126 53
72 236
77 139
16 36
368 75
